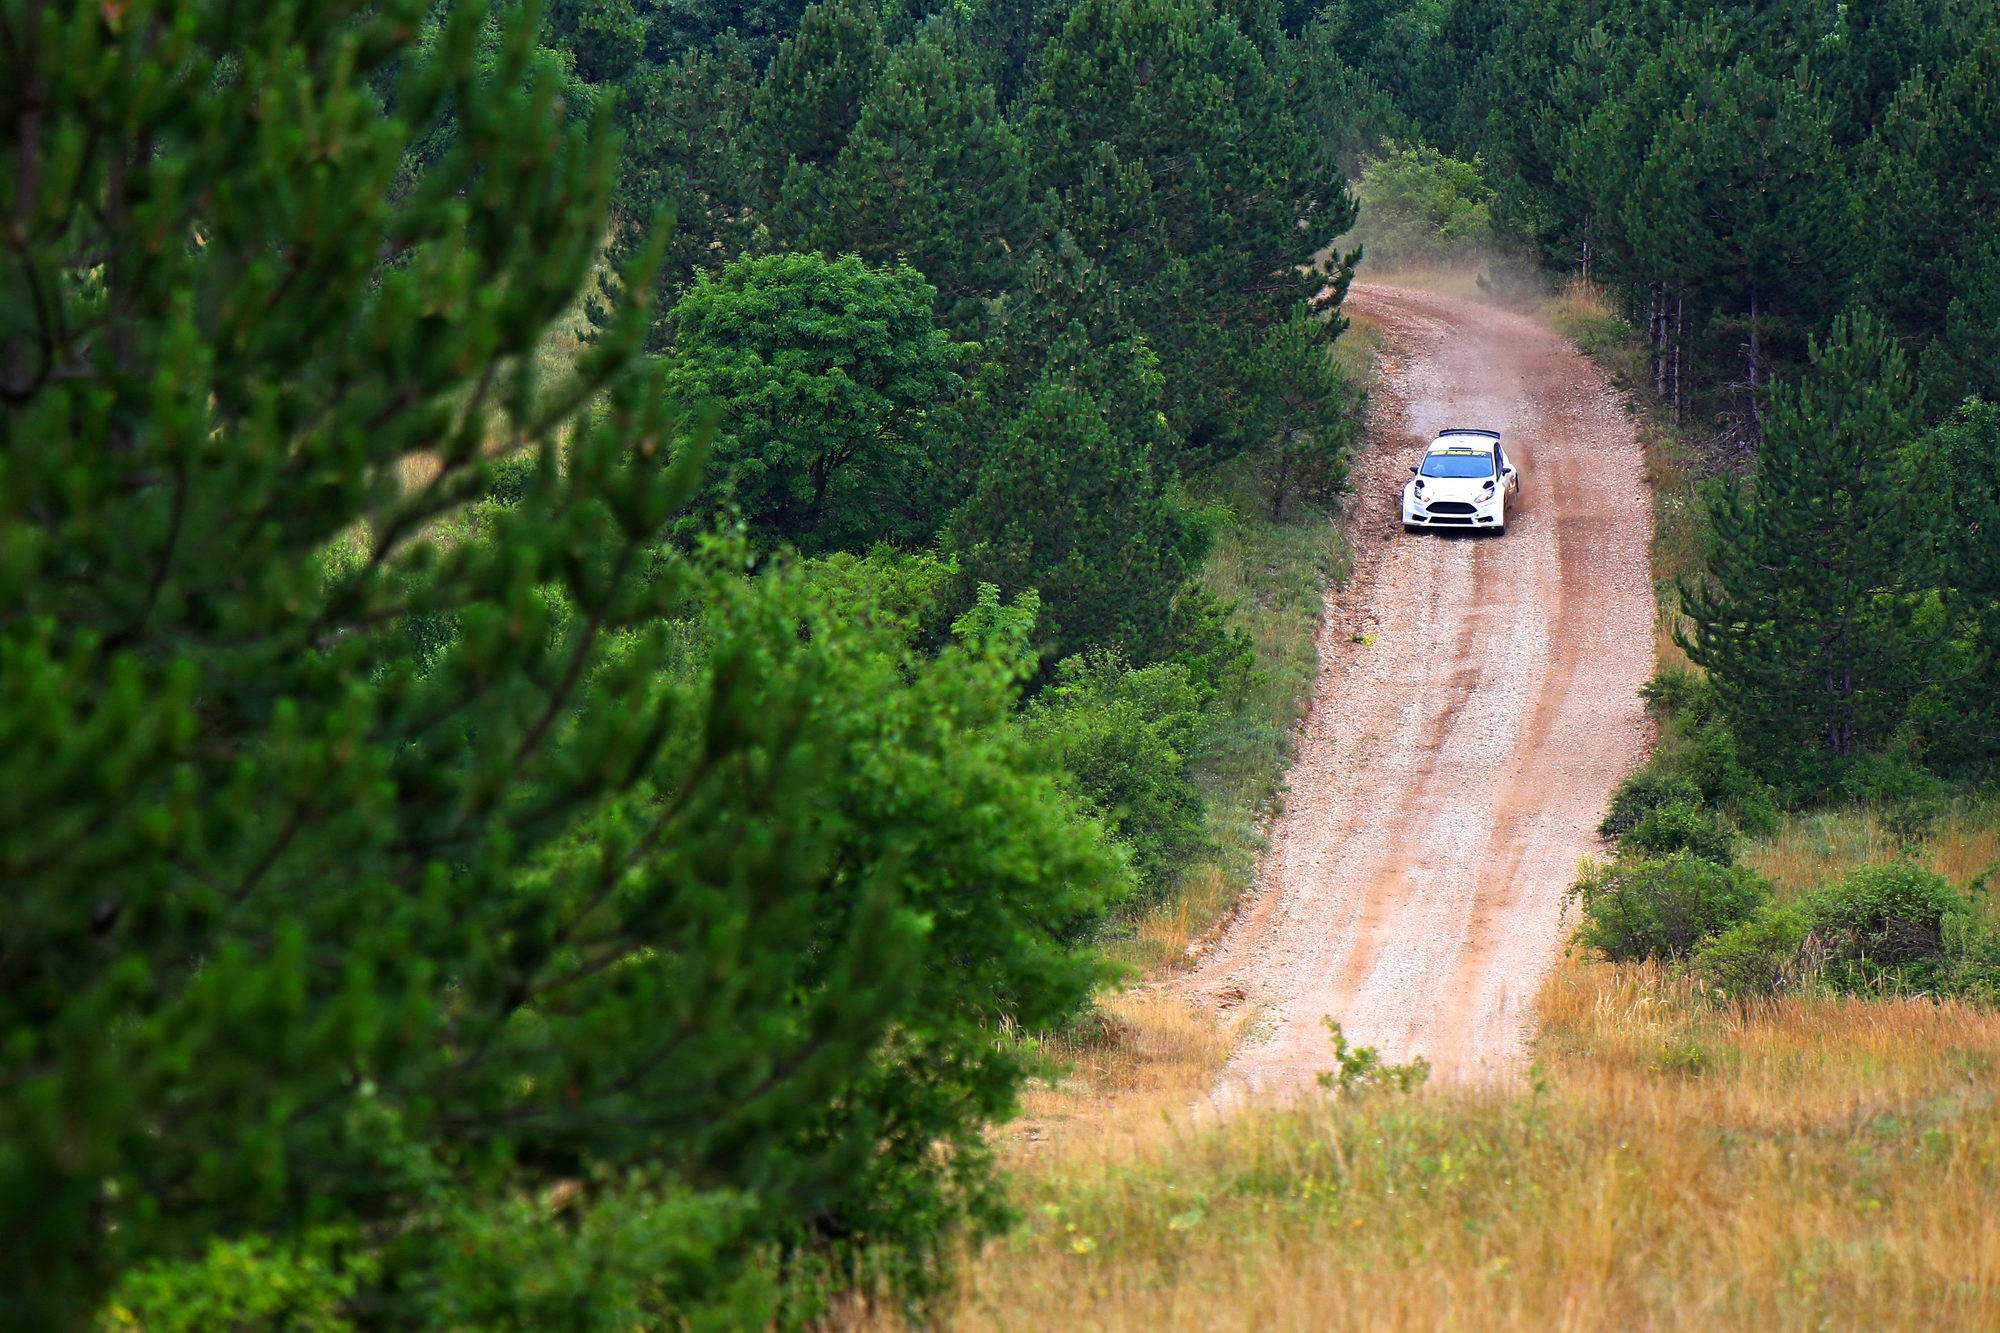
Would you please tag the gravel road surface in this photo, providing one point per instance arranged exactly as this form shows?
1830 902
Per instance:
1451 771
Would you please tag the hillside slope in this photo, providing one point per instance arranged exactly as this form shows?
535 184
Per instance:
1476 705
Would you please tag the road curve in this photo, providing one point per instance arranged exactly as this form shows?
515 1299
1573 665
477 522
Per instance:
1452 769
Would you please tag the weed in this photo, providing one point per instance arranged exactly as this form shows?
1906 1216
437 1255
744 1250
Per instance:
1361 1068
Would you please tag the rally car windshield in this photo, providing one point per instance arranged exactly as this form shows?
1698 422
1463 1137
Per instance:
1458 464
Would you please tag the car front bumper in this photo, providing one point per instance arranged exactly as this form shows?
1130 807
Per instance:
1456 514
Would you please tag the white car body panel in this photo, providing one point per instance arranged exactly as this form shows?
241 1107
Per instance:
1464 503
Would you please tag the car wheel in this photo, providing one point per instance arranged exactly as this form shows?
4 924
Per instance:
1410 528
1499 530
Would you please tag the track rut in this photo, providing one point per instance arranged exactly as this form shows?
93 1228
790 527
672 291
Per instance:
1452 769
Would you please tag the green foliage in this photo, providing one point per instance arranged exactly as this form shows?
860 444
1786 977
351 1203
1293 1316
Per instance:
827 377
607 38
1680 826
392 863
932 173
1804 618
1888 929
1678 693
1361 1069
247 1283
1664 908
1124 738
688 153
811 98
1759 956
594 1257
1929 181
1069 504
1179 165
1420 207
1642 793
1950 470
1310 415
1882 929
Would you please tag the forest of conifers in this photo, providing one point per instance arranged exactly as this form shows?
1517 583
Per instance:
597 607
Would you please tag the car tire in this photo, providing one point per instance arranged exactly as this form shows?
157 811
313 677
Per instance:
1498 530
1410 528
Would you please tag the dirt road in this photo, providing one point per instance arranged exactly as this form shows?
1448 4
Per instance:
1452 770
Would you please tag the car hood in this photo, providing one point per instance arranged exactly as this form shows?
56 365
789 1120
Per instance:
1453 488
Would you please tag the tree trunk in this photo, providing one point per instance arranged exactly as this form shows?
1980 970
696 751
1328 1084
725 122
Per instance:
1680 315
1282 481
1754 359
1656 330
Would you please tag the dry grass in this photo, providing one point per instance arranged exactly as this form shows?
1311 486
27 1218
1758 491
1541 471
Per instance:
1144 1060
1817 847
1809 1164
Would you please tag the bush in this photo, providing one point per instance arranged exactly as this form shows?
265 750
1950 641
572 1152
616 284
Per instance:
1713 761
1680 693
1973 947
1665 908
1680 826
1760 955
1123 737
1875 777
1883 929
1641 794
1419 206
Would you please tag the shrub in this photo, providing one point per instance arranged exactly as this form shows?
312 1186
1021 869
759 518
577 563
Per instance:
510 476
1973 947
1664 908
1123 737
1713 761
1419 206
1641 794
1360 1069
1760 955
1882 929
1886 778
1679 692
1679 826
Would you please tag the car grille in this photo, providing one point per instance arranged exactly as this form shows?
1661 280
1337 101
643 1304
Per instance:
1450 507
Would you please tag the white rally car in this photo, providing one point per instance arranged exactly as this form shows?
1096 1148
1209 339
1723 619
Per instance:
1463 482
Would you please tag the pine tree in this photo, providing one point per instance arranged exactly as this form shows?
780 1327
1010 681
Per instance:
811 96
1963 359
1183 171
1930 184
1309 414
382 857
1742 203
1957 489
932 174
1069 505
689 154
607 38
1803 617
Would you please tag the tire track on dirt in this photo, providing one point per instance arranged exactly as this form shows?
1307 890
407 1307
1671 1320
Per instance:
1450 774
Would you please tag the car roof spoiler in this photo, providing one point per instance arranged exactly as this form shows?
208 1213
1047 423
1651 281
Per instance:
1469 430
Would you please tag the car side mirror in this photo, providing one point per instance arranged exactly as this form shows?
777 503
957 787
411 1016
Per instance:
1507 471
1413 467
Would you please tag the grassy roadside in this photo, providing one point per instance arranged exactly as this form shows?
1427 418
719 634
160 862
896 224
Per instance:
1276 573
1144 1054
1810 1162
1819 1163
